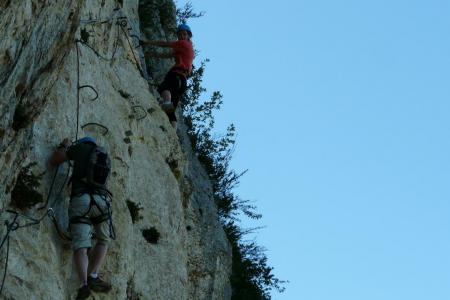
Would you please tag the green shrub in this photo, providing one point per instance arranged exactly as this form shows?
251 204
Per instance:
187 12
252 277
24 194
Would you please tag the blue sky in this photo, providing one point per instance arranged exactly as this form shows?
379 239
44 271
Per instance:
342 114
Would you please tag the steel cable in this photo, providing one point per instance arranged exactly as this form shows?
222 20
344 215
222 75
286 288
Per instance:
14 224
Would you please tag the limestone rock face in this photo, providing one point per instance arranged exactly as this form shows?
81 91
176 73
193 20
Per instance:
71 69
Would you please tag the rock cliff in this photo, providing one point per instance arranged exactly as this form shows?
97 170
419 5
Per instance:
71 69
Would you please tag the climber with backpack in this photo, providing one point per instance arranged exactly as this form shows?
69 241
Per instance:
89 206
175 82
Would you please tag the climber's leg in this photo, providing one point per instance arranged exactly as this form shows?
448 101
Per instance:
97 257
81 260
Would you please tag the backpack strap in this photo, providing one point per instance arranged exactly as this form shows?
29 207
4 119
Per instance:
94 146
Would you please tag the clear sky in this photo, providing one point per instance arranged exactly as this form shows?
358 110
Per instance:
342 111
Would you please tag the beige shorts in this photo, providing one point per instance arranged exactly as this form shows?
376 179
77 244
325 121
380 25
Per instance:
81 232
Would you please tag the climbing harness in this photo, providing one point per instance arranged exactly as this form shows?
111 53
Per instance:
103 217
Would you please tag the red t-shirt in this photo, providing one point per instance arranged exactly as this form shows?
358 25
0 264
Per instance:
184 54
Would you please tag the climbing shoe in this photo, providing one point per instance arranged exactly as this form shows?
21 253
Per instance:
98 285
83 292
168 107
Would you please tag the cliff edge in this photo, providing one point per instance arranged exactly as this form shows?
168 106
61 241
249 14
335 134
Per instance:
75 68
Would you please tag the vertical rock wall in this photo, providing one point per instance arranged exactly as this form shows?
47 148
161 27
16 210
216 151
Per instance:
70 69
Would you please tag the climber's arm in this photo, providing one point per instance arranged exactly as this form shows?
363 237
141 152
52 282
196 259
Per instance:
153 54
60 155
158 43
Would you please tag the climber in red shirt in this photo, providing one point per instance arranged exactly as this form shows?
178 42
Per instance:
175 82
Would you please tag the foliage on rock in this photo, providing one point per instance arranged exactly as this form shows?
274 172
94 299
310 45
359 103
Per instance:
151 235
134 211
24 194
187 12
252 277
21 118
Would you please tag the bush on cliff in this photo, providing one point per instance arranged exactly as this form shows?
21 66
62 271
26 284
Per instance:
252 277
